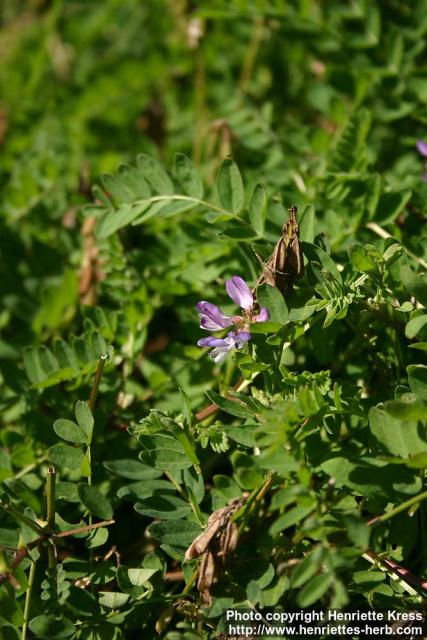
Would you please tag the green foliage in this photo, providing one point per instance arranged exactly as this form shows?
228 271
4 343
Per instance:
120 437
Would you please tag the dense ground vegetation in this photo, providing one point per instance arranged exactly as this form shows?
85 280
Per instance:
150 153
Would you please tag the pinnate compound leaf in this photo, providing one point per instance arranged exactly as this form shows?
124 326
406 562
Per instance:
95 502
258 208
113 599
290 518
230 406
187 176
66 456
69 430
307 224
271 298
307 568
163 451
314 590
230 186
97 538
179 533
415 325
390 205
49 627
131 469
361 259
417 378
163 507
399 436
84 417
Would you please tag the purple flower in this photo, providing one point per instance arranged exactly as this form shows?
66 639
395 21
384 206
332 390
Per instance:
221 346
239 292
422 147
213 319
262 316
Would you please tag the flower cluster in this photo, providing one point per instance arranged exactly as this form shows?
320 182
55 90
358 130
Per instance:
213 319
422 149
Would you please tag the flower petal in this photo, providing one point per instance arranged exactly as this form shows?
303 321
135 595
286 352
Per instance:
211 316
208 324
263 315
241 338
211 341
422 147
207 307
239 292
219 353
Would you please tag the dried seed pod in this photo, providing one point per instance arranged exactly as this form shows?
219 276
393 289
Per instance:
286 263
214 545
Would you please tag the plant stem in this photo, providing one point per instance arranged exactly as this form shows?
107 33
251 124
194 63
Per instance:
401 507
50 493
50 497
91 404
190 582
28 600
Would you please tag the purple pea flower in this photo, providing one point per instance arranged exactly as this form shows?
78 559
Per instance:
422 150
221 346
422 147
239 292
213 319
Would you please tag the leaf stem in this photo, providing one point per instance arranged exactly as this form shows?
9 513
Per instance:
9 508
50 498
77 530
28 600
374 522
202 203
50 494
396 572
250 504
91 404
